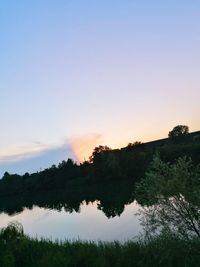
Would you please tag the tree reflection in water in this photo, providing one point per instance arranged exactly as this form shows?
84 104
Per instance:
111 198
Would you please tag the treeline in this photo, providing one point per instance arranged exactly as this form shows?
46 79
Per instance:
106 165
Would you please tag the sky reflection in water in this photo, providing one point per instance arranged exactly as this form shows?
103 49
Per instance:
90 224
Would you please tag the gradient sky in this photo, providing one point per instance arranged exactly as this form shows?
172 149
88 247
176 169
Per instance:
75 74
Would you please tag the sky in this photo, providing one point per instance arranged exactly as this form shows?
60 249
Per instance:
77 74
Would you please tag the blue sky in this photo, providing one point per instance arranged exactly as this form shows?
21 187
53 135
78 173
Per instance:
75 74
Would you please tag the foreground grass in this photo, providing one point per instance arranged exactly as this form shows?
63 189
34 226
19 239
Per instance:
17 249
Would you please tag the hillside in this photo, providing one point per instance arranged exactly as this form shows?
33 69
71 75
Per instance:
105 165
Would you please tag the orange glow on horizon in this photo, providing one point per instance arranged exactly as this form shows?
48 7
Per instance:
84 146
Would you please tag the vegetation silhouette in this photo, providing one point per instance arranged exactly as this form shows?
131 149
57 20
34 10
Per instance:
171 194
179 134
166 250
105 164
163 175
108 176
111 199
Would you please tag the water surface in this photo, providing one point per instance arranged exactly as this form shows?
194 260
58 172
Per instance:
89 223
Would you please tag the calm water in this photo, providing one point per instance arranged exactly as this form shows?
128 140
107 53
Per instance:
90 223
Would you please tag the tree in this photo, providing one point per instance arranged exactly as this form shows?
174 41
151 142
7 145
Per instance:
134 145
98 151
179 134
6 175
171 193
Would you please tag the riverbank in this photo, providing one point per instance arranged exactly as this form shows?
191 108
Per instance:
18 250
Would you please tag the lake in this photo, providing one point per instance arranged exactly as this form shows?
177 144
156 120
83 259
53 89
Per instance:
89 223
104 211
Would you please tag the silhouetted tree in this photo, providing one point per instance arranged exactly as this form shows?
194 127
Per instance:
179 134
6 175
98 151
172 195
134 145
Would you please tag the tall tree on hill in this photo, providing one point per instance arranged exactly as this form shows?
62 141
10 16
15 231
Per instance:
179 134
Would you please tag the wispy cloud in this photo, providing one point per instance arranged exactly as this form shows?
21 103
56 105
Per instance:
23 152
36 156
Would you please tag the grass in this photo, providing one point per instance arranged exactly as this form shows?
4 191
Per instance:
19 250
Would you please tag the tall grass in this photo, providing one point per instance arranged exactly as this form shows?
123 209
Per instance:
19 250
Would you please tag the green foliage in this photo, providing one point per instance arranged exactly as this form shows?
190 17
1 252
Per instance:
171 193
171 152
165 250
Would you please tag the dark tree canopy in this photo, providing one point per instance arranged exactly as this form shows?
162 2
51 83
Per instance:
98 151
179 134
135 144
179 130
